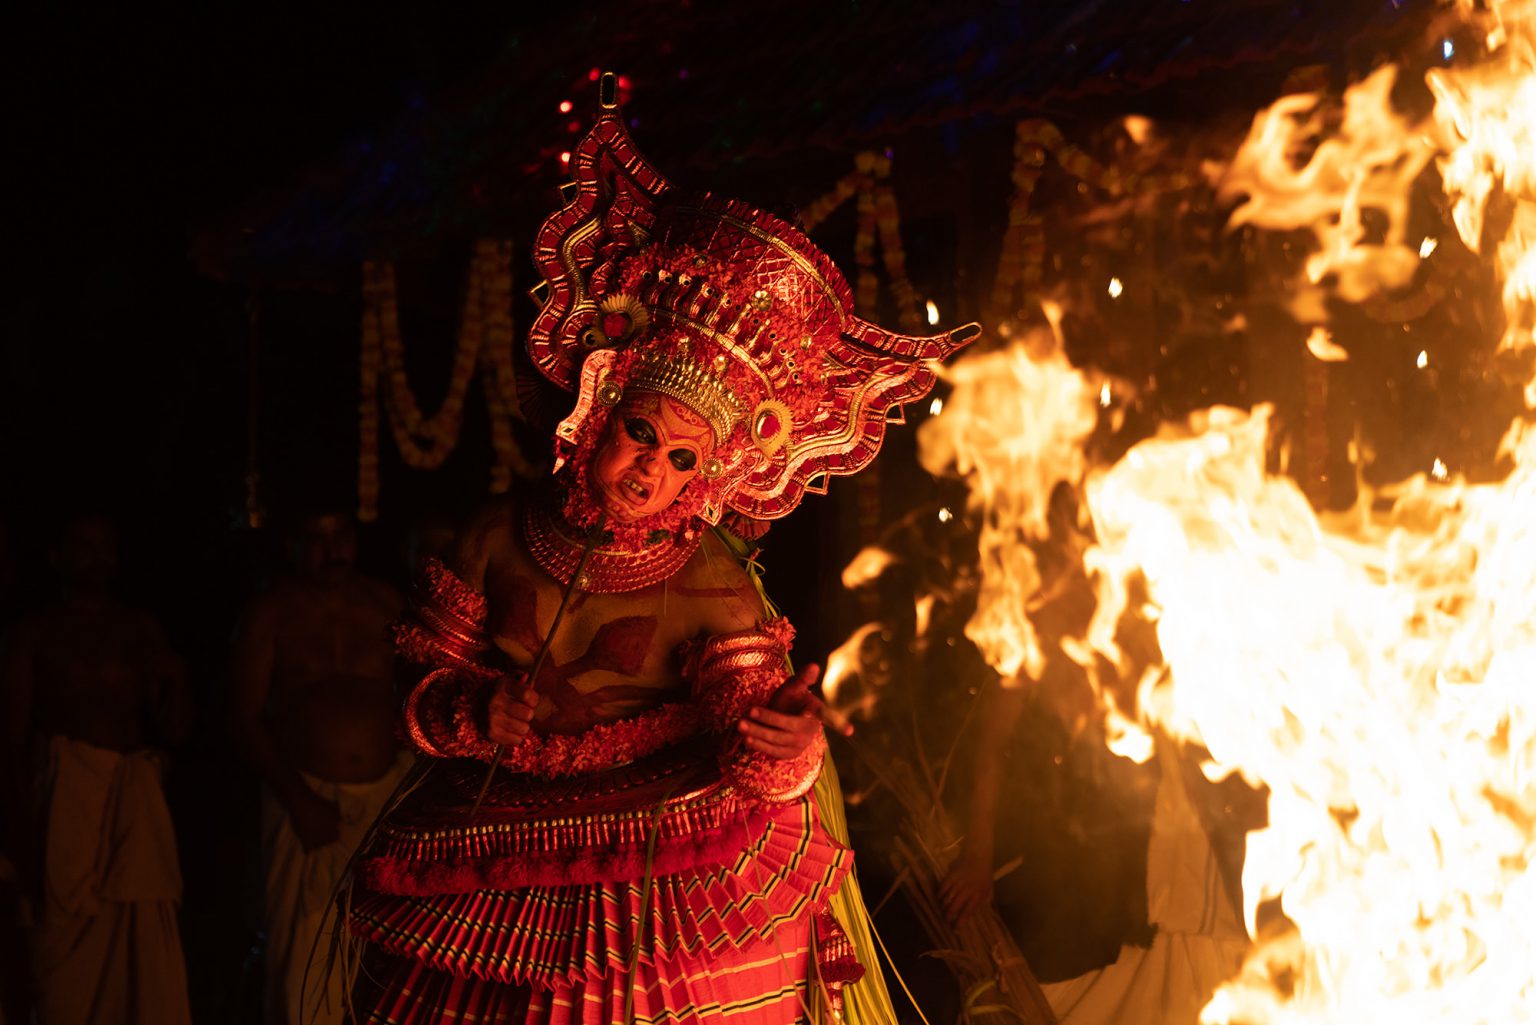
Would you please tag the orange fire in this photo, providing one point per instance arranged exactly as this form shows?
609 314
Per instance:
1015 426
857 671
1374 670
1487 118
1368 164
1374 674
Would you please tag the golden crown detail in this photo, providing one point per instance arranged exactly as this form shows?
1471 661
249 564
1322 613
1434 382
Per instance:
690 383
634 269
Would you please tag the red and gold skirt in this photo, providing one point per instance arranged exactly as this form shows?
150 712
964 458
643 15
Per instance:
654 889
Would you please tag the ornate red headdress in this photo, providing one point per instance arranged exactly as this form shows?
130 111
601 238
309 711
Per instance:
726 308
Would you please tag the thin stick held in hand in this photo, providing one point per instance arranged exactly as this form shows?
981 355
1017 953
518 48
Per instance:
538 661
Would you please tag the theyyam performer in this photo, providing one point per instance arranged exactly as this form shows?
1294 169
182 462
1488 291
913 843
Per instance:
657 840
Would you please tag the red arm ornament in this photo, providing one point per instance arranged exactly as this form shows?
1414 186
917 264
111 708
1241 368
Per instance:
732 673
444 630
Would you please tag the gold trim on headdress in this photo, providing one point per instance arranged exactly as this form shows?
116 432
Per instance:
691 384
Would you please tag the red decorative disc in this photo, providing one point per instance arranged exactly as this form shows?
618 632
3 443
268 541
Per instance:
615 325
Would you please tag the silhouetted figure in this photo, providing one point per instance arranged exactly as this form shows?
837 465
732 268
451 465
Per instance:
314 710
14 983
432 535
10 581
92 689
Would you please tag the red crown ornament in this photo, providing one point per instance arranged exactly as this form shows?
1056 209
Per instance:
726 308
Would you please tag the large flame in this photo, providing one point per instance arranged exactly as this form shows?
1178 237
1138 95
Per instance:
1376 670
1014 427
1378 682
1487 116
1367 165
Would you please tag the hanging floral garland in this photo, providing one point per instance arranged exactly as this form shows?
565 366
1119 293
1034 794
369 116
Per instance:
1023 254
866 285
484 341
888 223
820 209
498 375
1022 262
877 218
369 361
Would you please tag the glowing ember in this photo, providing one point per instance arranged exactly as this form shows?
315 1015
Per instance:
1320 344
933 312
1116 289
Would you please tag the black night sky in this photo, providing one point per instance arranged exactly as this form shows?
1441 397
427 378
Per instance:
128 128
124 369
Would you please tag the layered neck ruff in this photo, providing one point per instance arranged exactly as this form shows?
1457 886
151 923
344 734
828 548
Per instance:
628 557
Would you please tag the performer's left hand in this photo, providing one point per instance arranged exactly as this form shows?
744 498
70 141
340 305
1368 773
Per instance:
792 719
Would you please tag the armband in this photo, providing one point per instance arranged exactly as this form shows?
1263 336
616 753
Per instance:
730 674
443 630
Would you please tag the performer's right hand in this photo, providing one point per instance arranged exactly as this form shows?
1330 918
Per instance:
510 713
316 821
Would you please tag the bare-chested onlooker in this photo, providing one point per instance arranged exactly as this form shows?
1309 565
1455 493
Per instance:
315 712
92 689
15 986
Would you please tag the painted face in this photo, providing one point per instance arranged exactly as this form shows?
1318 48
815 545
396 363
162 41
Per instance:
653 446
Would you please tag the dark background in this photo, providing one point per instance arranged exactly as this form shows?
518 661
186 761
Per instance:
123 378
178 169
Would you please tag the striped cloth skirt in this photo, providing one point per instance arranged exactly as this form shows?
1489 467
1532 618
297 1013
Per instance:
659 896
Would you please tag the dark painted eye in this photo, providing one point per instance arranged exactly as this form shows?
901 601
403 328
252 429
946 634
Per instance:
683 458
640 430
